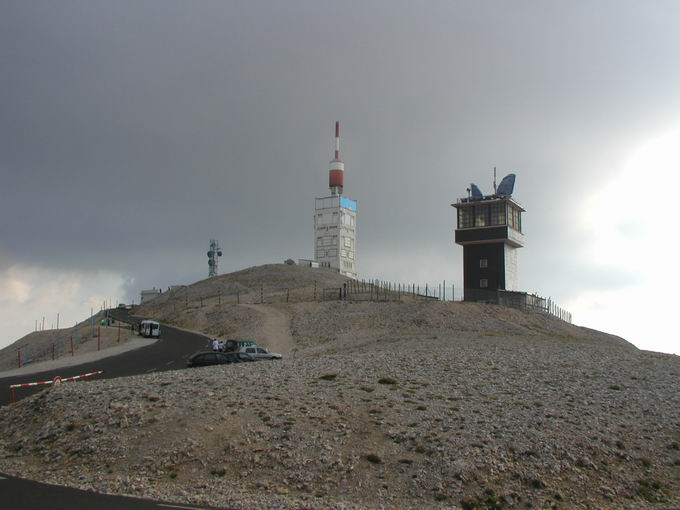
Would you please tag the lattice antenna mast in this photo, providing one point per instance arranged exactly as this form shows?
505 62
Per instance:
213 255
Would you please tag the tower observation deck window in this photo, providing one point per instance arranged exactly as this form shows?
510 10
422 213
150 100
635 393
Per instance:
497 213
465 217
515 217
481 215
489 215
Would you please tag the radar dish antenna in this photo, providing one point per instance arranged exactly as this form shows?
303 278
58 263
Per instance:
475 192
507 186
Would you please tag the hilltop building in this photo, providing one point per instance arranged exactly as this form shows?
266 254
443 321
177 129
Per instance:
335 219
149 294
490 231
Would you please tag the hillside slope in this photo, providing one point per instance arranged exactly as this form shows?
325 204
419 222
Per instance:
492 422
39 346
333 326
414 404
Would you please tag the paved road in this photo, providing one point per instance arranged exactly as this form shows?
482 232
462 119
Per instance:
167 354
18 494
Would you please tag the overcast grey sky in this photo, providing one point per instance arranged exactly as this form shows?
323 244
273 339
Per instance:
132 132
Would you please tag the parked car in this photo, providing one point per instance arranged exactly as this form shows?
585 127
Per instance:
260 353
238 345
207 358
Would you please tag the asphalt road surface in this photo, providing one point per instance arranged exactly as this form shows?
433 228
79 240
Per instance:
167 354
18 494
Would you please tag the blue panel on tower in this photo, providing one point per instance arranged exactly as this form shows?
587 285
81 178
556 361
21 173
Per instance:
348 203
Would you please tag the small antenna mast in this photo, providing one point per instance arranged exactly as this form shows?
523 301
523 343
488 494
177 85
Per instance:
494 180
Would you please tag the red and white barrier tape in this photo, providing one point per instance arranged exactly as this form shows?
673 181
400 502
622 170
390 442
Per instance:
57 380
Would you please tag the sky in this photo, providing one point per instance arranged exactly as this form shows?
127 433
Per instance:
133 132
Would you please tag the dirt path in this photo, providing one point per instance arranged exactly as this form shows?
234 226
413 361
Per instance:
274 332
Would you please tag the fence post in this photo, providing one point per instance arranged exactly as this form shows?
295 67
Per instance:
440 292
453 292
426 290
99 338
444 289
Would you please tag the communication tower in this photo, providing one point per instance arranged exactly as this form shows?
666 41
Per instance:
335 218
490 231
213 254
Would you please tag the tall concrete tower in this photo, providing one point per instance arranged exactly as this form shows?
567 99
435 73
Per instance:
335 219
490 231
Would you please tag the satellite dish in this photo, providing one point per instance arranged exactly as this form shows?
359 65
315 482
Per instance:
211 262
219 253
210 253
507 186
476 193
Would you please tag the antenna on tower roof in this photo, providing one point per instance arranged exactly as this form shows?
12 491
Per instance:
494 180
337 140
336 174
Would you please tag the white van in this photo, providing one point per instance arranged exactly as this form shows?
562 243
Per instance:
150 329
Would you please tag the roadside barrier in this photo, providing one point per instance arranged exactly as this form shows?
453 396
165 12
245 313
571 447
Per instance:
56 382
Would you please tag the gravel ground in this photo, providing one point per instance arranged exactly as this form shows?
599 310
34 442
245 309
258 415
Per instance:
415 405
465 421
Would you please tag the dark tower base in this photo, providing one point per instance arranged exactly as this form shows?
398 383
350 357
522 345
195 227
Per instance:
476 276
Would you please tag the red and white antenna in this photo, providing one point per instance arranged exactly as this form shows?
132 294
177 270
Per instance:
337 140
336 175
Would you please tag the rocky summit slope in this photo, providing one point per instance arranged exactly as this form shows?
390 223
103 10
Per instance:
378 405
41 346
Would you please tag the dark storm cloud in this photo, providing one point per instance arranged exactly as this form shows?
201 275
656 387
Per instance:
132 132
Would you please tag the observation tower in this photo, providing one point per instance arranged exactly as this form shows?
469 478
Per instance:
490 231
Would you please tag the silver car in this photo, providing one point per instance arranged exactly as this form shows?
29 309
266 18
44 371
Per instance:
260 353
